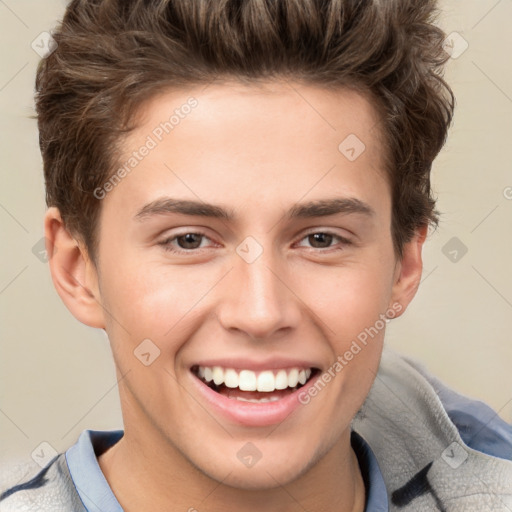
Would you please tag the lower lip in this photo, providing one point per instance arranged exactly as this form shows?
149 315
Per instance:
248 413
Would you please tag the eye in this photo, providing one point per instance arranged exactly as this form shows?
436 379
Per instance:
192 241
323 240
185 242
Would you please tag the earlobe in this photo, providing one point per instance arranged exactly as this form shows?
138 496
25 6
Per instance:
73 274
408 271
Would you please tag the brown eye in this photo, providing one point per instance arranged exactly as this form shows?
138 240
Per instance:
186 243
320 240
325 240
189 240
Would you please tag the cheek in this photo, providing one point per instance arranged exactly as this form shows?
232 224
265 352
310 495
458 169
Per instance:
159 301
348 299
152 300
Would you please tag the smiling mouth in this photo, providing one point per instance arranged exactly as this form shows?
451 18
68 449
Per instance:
250 386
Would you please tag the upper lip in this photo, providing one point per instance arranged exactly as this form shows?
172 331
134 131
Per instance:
256 366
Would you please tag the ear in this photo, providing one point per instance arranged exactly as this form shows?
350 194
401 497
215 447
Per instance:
408 272
74 275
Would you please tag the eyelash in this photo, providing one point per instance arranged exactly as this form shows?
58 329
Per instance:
166 244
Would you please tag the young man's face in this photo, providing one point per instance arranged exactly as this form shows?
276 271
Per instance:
255 292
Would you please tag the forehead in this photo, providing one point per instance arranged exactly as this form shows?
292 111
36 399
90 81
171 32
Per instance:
270 143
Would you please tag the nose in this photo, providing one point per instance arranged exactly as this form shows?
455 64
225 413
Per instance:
258 299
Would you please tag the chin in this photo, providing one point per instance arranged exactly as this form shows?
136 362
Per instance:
261 478
271 471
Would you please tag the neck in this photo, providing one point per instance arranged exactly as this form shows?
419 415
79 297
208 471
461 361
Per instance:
144 476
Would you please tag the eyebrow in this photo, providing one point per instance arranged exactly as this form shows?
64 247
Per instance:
318 208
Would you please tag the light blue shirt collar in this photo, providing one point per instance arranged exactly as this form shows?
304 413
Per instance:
91 484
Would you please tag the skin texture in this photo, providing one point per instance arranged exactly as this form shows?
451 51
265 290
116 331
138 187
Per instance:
258 151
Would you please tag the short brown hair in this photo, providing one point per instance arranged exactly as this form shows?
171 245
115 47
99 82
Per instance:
112 55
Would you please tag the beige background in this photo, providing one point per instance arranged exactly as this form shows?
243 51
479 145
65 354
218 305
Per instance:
57 375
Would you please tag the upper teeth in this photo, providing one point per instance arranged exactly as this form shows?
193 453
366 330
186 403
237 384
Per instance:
247 380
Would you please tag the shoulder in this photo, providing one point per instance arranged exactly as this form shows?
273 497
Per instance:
479 426
27 487
406 383
432 444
